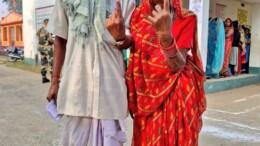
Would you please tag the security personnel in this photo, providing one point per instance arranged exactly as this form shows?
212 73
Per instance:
45 47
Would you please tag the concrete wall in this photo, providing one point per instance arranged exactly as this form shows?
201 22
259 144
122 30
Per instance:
231 9
185 4
29 27
201 8
44 3
255 46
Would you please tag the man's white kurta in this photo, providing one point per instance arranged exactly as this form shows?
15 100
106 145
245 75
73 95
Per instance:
92 83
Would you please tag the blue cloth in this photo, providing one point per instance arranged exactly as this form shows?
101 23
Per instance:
216 47
247 49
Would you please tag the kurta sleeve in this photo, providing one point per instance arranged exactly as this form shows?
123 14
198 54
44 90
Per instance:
58 24
128 6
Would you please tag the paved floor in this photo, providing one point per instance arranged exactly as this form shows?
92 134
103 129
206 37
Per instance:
232 118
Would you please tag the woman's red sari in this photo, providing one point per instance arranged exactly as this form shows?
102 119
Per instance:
167 106
228 46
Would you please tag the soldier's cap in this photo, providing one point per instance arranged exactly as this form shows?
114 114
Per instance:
46 20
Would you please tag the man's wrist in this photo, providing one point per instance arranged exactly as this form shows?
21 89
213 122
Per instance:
55 81
55 78
120 42
123 38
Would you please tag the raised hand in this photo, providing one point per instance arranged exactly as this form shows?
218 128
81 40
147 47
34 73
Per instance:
115 23
162 22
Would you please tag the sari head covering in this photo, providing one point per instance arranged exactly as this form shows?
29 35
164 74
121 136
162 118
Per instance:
177 4
167 106
182 14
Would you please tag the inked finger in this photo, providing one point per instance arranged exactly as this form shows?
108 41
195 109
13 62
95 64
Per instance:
158 8
118 9
166 5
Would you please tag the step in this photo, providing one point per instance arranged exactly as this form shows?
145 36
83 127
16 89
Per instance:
222 84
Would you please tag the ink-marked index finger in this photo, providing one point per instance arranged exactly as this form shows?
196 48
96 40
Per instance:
166 5
118 9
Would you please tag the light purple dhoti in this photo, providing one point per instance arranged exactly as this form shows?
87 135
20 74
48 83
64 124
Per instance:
83 131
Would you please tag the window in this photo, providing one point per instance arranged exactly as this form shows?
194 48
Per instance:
5 34
19 33
12 34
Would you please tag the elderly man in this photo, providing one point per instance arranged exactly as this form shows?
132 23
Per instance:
92 91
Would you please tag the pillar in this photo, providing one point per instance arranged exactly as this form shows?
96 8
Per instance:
255 39
201 8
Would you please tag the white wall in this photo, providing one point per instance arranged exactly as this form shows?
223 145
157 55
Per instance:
44 3
29 28
203 33
255 46
231 9
29 25
185 4
201 8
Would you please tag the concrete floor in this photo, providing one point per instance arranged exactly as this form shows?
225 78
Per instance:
232 117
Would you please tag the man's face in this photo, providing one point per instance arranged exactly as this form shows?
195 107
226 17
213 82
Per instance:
45 23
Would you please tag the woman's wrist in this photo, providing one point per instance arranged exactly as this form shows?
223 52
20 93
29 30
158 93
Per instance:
166 39
171 51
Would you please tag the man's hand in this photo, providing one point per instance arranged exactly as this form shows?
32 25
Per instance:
162 22
53 91
115 23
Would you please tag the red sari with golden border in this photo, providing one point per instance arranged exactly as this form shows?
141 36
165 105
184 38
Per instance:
167 106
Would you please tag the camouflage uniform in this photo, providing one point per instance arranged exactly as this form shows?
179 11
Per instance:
45 48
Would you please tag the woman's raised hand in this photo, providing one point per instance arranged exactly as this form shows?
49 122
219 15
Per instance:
161 18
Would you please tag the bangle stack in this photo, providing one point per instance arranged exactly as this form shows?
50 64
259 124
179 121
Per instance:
171 51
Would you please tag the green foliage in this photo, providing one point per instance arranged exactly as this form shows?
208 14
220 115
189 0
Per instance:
17 7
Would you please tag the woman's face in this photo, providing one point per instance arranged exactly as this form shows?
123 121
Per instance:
158 2
246 31
227 22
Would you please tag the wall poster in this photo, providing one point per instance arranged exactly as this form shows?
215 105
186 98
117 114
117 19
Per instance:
41 14
242 16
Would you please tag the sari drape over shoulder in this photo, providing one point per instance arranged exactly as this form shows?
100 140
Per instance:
167 106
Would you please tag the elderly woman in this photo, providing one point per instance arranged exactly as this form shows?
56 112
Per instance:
165 83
